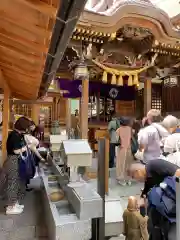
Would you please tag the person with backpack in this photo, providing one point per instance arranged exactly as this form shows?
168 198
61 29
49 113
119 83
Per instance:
149 137
18 166
153 174
113 125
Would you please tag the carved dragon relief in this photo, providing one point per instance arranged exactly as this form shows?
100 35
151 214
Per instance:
109 14
129 50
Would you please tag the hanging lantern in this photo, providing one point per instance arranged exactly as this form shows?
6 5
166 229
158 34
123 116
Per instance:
171 81
81 71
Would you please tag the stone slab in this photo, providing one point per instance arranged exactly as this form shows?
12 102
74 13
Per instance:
65 225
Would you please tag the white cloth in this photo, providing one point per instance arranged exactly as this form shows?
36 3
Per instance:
30 140
171 146
139 155
170 143
174 158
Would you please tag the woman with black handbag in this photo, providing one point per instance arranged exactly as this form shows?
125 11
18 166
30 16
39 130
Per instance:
15 187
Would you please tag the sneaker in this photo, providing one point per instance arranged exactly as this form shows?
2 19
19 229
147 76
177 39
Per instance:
19 205
122 182
13 210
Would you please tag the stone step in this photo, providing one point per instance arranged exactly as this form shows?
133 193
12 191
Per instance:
23 233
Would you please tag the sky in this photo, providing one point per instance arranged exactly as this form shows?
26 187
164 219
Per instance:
171 7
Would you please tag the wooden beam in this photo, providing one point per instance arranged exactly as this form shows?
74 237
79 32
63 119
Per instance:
24 95
41 7
26 92
5 126
20 48
27 66
20 24
24 77
23 56
15 29
25 81
15 11
13 38
39 102
12 68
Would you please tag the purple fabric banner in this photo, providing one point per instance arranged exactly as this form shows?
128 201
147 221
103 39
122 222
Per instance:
74 88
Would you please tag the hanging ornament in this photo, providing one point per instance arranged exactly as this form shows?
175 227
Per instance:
113 36
136 80
130 81
104 77
120 80
113 80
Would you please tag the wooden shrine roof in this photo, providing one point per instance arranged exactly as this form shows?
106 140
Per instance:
30 34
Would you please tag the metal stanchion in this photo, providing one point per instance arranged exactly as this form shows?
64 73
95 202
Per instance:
98 225
177 208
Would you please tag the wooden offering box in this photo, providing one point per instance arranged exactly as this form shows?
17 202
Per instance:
76 153
56 141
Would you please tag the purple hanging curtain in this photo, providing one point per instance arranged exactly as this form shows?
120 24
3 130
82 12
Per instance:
74 88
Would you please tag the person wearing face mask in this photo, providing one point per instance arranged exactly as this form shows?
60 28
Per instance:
16 146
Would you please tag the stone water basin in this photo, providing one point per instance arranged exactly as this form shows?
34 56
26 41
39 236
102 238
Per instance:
64 208
47 171
69 227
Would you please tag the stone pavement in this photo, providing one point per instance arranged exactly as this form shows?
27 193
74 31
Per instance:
30 225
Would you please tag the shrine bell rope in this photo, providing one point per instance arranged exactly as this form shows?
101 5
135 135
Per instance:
117 75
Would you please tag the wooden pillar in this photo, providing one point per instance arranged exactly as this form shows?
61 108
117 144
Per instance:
11 114
147 96
68 115
84 109
5 126
35 113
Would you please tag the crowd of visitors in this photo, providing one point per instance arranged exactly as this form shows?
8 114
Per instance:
154 144
146 151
